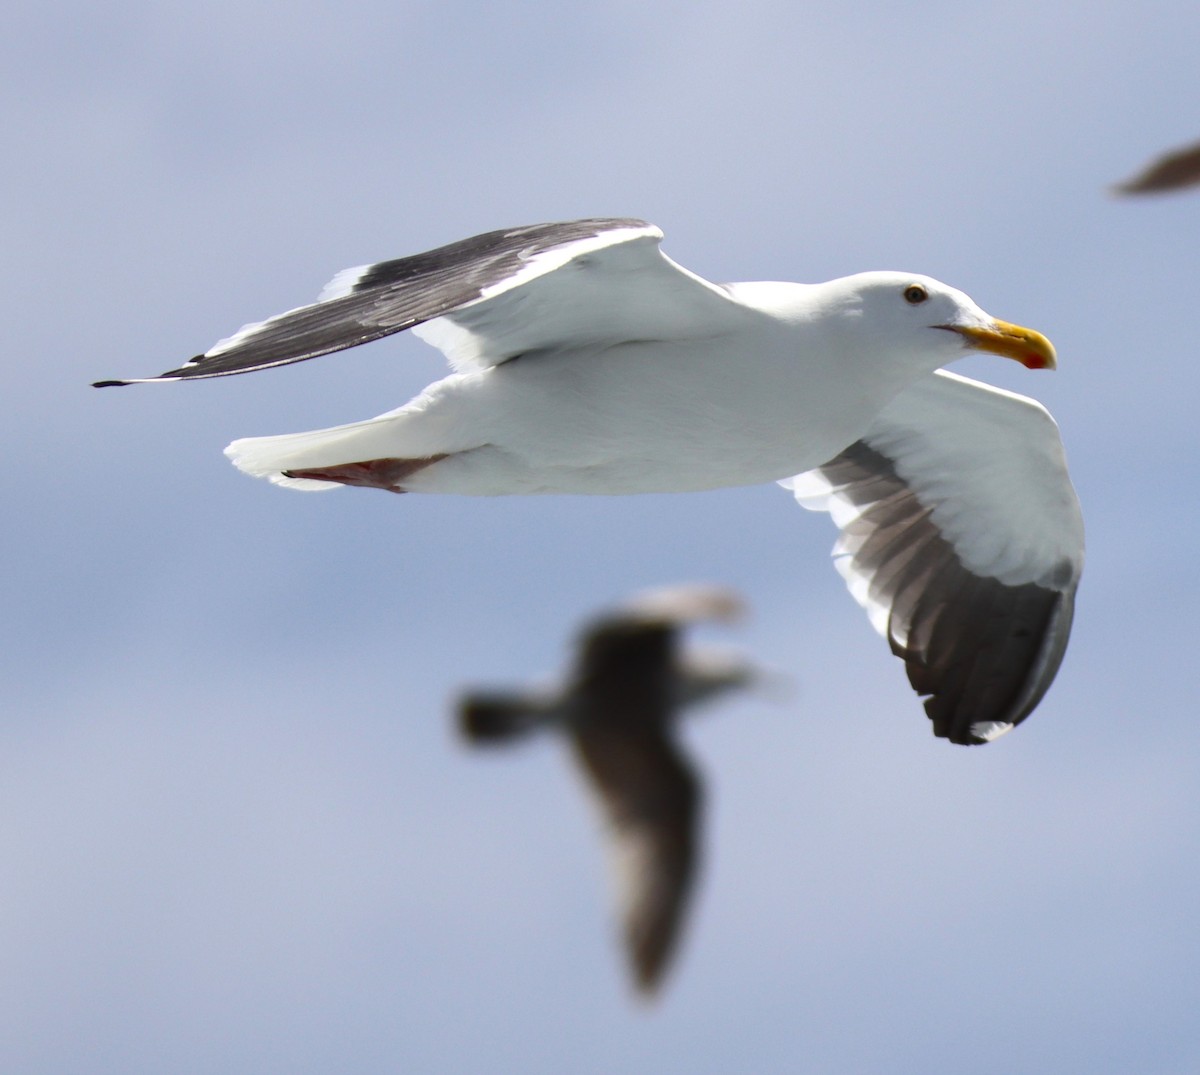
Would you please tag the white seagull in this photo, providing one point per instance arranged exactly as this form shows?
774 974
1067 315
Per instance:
586 361
630 681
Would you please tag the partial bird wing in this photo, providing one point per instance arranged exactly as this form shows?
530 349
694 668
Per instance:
1171 171
961 536
707 673
489 298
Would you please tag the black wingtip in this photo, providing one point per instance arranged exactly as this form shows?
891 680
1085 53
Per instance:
110 384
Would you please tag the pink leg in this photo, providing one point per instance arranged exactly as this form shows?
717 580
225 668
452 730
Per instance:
370 473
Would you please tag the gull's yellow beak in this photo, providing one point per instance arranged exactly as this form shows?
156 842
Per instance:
1028 347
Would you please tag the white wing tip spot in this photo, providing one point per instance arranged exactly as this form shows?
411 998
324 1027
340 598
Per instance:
343 283
987 730
228 343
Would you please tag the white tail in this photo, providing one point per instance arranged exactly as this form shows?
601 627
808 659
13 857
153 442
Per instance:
269 457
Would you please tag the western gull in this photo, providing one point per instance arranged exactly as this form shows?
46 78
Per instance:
1175 170
617 707
586 361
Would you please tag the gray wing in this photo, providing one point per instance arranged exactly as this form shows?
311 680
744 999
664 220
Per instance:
962 538
486 299
1171 171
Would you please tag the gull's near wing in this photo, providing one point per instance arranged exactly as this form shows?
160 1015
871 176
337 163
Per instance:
961 536
489 298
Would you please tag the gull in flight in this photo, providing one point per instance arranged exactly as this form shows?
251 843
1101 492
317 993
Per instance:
586 361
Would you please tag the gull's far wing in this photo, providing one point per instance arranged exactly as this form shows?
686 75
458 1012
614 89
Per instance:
489 298
961 536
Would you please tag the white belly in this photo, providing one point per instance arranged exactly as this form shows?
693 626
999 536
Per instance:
636 418
622 421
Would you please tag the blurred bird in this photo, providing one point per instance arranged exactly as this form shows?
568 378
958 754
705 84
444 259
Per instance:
1172 171
617 707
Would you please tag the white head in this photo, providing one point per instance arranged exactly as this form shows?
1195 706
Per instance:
926 319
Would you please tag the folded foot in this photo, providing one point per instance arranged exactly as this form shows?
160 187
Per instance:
369 473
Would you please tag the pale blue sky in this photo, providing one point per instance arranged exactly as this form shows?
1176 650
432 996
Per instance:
236 832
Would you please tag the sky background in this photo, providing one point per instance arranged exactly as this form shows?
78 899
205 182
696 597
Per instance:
237 832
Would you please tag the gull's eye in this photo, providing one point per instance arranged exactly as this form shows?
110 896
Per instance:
915 294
